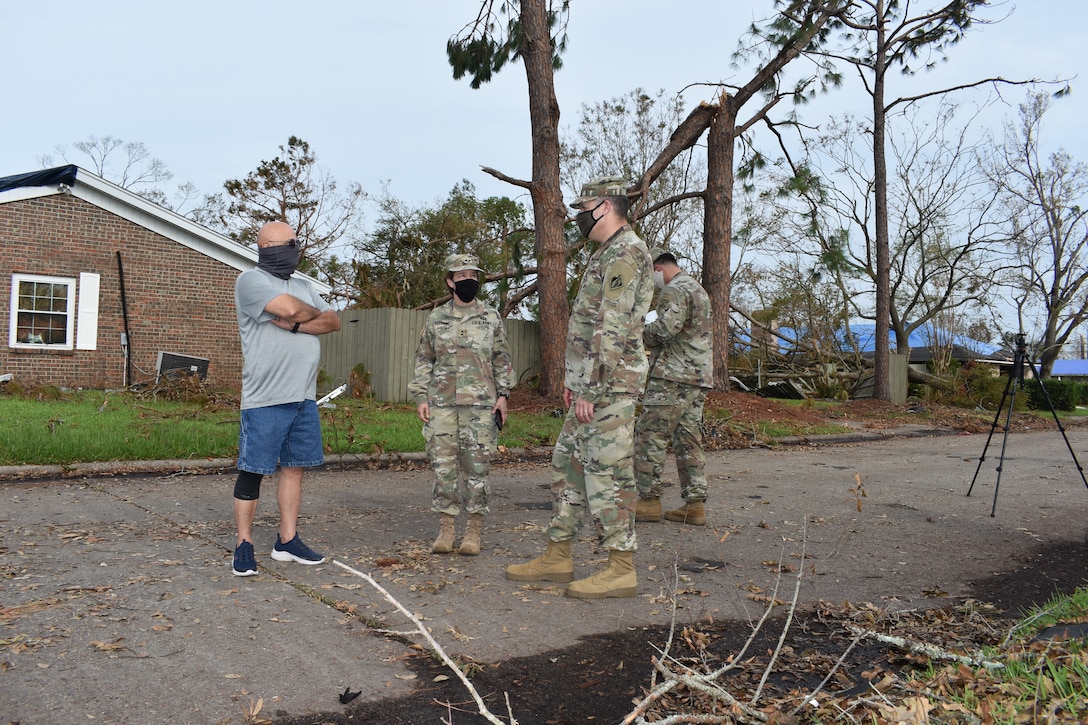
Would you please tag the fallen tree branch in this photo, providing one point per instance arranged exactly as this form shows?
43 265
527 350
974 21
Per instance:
789 614
831 673
432 641
929 650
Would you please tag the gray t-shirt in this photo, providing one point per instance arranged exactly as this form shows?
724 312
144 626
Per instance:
279 366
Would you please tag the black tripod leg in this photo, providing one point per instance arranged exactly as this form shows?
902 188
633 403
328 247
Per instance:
1004 443
993 427
1061 428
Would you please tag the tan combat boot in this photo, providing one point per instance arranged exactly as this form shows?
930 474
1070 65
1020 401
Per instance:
618 580
470 545
692 512
555 565
648 509
446 534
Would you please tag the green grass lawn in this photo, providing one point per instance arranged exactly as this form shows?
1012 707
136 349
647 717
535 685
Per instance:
66 428
96 426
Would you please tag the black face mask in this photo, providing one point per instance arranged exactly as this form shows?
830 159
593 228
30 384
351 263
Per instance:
466 289
281 260
586 221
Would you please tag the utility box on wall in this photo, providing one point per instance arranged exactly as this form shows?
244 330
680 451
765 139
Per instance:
172 364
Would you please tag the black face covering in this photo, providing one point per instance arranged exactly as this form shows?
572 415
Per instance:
466 289
586 221
281 260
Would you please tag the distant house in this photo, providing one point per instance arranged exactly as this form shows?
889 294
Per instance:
106 289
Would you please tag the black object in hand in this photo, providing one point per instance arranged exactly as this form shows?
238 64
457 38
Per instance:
498 419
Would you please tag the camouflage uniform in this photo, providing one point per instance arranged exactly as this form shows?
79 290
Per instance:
462 367
592 463
681 373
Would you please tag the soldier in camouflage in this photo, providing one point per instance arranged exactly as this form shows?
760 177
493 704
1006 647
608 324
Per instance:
463 377
606 366
680 342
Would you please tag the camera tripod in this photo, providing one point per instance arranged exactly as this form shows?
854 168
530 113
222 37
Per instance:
1016 381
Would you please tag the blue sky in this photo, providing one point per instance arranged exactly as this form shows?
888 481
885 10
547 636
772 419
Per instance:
214 88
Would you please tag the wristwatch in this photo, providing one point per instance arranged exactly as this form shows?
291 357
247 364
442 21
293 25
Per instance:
295 328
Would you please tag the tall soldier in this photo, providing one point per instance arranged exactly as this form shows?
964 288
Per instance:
593 462
463 377
680 342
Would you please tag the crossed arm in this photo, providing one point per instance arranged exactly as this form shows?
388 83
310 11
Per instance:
289 310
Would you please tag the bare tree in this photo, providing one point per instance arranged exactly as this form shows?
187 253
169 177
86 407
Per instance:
941 215
1046 205
126 163
880 36
292 188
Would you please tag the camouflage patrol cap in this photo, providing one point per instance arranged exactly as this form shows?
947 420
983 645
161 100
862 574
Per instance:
656 253
462 262
604 186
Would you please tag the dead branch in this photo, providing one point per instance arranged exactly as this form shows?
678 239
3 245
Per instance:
706 683
830 673
642 213
508 179
789 613
684 137
929 650
515 299
431 640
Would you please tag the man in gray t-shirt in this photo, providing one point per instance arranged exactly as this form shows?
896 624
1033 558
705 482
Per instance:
279 318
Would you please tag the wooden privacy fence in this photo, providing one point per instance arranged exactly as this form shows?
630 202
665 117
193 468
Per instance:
384 340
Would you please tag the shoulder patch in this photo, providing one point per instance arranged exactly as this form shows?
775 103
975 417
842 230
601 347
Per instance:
616 278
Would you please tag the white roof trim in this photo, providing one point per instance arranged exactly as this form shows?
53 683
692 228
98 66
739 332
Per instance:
106 195
27 192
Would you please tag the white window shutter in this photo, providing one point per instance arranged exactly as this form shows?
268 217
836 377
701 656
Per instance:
87 317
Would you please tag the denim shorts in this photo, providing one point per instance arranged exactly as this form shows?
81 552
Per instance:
289 434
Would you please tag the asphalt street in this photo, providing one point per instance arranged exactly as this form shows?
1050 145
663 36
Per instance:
118 604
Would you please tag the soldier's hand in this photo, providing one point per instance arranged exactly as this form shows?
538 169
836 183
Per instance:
583 410
423 410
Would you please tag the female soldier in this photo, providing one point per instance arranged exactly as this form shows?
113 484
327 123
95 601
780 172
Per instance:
463 376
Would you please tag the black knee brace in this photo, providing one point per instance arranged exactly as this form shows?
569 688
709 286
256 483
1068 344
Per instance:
248 486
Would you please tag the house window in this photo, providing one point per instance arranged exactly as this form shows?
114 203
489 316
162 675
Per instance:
42 311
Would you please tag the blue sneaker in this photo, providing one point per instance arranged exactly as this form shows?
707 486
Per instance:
295 550
245 564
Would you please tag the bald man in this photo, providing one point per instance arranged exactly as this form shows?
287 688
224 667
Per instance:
279 319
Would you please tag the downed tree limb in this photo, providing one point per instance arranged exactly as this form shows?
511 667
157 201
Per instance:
432 641
933 381
929 650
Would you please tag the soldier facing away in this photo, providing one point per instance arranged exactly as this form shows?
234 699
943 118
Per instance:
680 341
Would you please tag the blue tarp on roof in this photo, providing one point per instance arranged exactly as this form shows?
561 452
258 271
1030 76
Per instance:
45 177
864 335
1070 367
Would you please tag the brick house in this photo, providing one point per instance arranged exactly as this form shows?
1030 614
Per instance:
106 289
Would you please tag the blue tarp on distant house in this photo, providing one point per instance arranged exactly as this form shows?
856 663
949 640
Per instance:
1069 368
922 338
864 336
